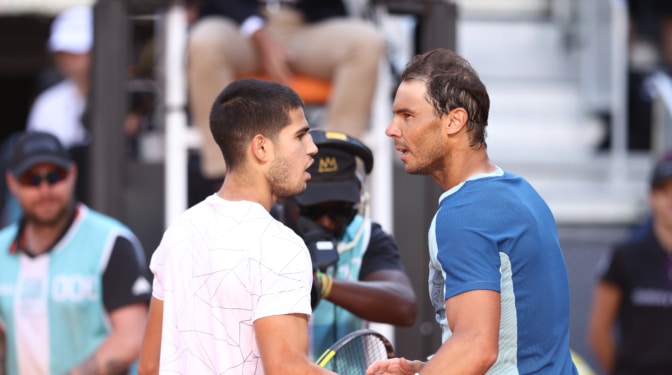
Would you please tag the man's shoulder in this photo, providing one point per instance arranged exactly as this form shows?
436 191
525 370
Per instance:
92 220
60 91
8 233
635 246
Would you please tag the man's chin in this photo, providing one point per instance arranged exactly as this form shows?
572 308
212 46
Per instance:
43 220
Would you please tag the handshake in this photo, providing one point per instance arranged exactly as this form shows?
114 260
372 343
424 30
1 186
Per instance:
323 252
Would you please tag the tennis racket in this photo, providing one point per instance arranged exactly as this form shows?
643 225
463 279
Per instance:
354 352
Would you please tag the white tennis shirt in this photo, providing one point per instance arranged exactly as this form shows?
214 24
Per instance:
220 267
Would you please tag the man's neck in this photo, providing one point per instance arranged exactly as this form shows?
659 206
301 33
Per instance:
460 166
663 234
39 238
237 189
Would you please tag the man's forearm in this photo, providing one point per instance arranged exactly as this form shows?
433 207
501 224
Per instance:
94 366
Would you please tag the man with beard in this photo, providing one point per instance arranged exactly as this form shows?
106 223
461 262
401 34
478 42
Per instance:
73 286
497 277
232 284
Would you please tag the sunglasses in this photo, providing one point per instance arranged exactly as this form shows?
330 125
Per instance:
342 212
52 177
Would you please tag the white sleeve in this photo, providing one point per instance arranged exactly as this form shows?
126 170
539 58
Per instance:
285 277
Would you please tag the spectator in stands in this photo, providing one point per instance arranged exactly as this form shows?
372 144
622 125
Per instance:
282 38
651 33
630 327
59 109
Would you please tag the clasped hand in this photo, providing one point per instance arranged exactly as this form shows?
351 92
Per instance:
394 366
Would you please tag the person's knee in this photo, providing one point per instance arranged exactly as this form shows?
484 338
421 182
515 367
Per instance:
210 34
369 41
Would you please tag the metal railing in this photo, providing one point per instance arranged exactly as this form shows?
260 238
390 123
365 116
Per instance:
619 89
661 124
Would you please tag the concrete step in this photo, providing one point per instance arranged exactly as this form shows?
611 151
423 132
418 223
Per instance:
542 121
539 125
525 49
593 191
508 9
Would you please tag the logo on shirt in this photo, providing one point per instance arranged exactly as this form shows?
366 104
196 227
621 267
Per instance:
74 288
141 286
651 297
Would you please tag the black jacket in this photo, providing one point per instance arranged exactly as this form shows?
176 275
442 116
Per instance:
240 10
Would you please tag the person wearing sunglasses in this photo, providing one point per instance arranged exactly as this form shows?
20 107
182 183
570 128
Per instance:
362 272
74 290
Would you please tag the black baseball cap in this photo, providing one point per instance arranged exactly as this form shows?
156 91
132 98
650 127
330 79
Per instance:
32 148
333 178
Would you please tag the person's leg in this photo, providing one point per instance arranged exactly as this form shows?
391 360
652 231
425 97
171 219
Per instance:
666 41
217 53
348 53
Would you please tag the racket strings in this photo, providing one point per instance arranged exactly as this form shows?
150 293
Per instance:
356 356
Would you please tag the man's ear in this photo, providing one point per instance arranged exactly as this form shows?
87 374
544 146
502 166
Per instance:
457 118
261 148
73 171
11 182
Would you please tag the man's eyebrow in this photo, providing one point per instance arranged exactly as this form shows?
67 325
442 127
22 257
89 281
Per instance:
302 130
400 110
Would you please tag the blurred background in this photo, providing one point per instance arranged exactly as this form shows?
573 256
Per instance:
581 103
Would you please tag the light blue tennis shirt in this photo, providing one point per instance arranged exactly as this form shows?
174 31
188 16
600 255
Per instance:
494 232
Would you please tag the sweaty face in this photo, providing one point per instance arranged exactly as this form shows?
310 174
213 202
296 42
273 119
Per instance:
416 129
45 193
293 155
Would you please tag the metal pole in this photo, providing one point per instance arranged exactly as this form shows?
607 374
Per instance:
619 89
176 119
107 106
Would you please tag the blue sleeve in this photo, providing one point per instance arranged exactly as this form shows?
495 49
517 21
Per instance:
467 253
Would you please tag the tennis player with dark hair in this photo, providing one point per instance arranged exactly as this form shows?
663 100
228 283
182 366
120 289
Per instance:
232 284
498 280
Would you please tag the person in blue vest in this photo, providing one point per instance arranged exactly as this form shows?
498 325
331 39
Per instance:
74 291
357 267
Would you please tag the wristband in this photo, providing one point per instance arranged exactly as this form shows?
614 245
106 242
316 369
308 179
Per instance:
327 281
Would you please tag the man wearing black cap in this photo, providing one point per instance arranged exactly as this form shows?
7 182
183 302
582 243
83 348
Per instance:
634 292
363 273
73 286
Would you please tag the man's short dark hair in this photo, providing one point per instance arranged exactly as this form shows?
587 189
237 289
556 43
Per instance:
248 107
452 83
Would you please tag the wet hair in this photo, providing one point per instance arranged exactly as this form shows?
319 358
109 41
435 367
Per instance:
248 107
451 83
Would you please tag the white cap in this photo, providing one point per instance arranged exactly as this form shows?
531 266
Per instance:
72 30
